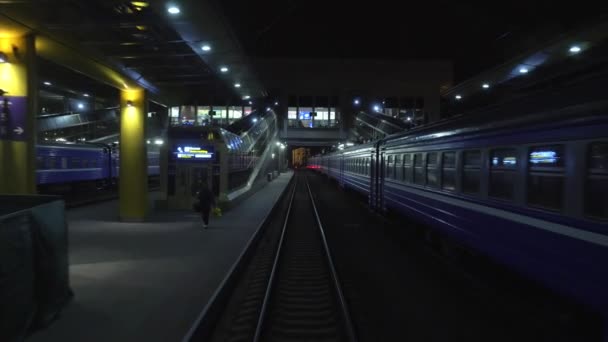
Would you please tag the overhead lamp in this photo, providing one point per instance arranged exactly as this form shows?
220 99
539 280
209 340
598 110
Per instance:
356 101
129 103
173 9
254 119
47 83
523 70
409 118
377 108
206 47
224 69
158 142
268 109
458 97
250 102
237 85
276 103
575 49
3 58
85 95
246 97
80 106
485 86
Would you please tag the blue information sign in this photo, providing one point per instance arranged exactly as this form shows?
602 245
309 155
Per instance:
13 112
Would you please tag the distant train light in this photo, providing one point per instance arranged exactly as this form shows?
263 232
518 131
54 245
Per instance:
523 70
173 9
458 97
575 49
485 86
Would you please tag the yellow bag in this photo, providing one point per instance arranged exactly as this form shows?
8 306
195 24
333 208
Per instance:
217 211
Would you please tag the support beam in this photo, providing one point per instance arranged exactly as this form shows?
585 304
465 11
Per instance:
17 115
133 156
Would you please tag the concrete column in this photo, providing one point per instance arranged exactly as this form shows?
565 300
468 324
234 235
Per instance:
18 106
133 155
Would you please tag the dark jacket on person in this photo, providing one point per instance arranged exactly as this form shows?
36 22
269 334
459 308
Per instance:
205 197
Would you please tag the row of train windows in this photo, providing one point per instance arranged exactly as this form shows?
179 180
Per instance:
545 182
49 163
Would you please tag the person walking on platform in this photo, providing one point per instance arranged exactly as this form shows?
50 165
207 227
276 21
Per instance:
206 200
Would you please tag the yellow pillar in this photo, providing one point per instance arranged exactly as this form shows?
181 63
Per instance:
18 114
133 157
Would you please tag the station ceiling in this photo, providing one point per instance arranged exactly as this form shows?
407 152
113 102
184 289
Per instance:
142 40
475 35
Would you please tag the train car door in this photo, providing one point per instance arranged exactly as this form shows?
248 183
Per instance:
377 178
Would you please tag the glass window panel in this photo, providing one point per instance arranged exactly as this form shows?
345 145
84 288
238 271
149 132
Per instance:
292 113
174 112
546 190
504 158
470 181
472 159
419 174
502 184
187 115
596 201
449 159
547 156
598 156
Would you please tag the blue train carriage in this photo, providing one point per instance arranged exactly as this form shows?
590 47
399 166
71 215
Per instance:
65 163
531 193
356 167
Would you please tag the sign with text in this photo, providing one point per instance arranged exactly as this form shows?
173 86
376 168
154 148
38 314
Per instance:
193 153
13 112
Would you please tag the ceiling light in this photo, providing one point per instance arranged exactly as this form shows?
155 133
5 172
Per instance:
47 83
224 69
173 10
80 106
523 70
250 102
458 97
276 103
575 49
3 57
254 120
377 108
356 101
237 85
409 118
246 97
485 86
85 95
206 47
158 142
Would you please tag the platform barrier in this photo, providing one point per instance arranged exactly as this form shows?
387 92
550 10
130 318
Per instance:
34 274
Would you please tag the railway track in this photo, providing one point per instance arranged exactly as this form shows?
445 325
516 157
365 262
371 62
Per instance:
289 290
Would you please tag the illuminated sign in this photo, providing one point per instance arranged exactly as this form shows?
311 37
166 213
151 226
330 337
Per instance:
193 153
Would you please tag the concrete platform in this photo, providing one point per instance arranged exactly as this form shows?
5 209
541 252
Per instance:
149 281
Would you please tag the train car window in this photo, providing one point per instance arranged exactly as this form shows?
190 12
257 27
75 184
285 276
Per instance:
64 162
51 162
85 163
546 177
448 176
407 168
596 201
419 176
75 163
502 173
431 170
40 163
388 173
93 162
398 167
471 171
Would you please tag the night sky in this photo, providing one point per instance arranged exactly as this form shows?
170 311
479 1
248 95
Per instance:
474 36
